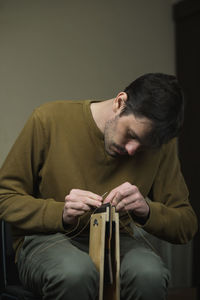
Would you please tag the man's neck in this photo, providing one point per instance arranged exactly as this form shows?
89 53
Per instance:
101 112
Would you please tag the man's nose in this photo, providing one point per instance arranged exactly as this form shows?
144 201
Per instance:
132 146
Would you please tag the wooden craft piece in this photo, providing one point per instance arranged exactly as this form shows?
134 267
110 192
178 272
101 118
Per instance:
105 252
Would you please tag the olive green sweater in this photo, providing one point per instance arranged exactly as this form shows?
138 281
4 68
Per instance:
61 148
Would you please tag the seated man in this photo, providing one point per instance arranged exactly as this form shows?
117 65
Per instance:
67 156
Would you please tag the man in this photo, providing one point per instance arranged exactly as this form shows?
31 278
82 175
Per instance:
68 155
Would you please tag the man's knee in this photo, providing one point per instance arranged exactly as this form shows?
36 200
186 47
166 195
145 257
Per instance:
143 272
74 280
82 271
78 272
73 276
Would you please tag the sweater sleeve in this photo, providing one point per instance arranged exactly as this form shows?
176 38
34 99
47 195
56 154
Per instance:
19 178
171 215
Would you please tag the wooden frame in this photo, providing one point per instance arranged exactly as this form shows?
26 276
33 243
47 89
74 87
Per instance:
104 251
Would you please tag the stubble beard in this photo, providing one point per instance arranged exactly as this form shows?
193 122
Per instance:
109 129
109 144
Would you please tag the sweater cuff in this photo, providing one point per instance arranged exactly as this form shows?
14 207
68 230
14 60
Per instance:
53 218
141 221
152 222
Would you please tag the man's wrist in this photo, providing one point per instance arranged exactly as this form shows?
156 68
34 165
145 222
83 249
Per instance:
69 225
141 220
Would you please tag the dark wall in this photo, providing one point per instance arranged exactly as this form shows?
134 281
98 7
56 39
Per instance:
187 20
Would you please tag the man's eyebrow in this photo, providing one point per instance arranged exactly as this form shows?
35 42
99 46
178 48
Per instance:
134 135
142 140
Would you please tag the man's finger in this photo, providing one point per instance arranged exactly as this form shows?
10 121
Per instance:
91 202
77 206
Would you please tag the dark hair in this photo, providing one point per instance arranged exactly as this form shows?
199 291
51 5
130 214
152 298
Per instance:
159 98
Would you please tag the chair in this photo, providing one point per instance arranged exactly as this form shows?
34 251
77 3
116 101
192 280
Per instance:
10 286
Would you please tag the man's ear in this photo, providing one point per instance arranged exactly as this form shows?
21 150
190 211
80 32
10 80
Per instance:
119 102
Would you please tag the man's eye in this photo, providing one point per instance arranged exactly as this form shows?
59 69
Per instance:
131 136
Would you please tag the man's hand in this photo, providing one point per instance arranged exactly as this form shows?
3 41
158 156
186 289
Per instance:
77 203
128 197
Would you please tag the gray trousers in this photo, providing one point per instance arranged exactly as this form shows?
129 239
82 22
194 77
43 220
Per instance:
57 267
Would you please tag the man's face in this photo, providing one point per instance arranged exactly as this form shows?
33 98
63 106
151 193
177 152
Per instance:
125 135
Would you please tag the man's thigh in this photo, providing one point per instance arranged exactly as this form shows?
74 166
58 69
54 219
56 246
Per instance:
47 262
143 273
